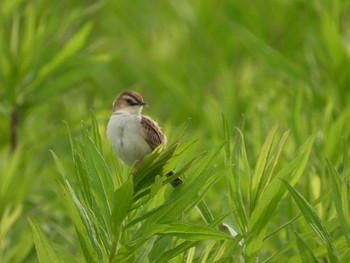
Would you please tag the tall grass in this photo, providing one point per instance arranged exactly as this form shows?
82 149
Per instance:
262 88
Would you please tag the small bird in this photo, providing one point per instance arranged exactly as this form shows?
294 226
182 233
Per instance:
132 135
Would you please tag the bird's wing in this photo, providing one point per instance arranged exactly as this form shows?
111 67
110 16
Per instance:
152 133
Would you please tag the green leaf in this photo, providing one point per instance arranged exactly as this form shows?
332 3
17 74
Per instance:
260 167
122 203
83 179
340 196
45 250
220 251
271 197
271 168
96 137
190 254
8 218
185 196
72 46
205 212
143 255
85 227
192 232
63 81
152 165
100 178
59 165
184 168
74 212
314 221
306 253
157 185
208 250
184 246
234 181
186 231
179 249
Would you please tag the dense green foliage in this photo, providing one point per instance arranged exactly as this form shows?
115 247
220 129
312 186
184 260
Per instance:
253 95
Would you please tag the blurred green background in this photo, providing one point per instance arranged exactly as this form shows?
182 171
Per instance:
259 63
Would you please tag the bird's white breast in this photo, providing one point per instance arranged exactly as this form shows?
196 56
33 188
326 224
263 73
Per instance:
124 134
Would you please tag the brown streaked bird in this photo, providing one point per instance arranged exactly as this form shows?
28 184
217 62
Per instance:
131 134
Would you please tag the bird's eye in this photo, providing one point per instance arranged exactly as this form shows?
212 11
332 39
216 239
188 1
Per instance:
129 101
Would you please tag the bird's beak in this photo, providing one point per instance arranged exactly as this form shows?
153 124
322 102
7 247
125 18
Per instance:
142 103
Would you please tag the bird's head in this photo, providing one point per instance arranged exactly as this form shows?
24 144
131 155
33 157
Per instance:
129 101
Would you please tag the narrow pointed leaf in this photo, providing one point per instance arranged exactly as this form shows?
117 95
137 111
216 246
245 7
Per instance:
72 46
193 232
44 248
314 221
205 212
100 179
184 196
340 195
96 133
234 181
273 195
59 165
123 201
260 167
85 242
306 253
190 254
86 230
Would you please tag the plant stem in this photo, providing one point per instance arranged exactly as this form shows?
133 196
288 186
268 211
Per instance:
113 250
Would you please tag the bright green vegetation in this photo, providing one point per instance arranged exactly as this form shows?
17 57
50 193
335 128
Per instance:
253 95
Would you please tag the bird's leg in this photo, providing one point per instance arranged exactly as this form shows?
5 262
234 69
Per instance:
137 164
